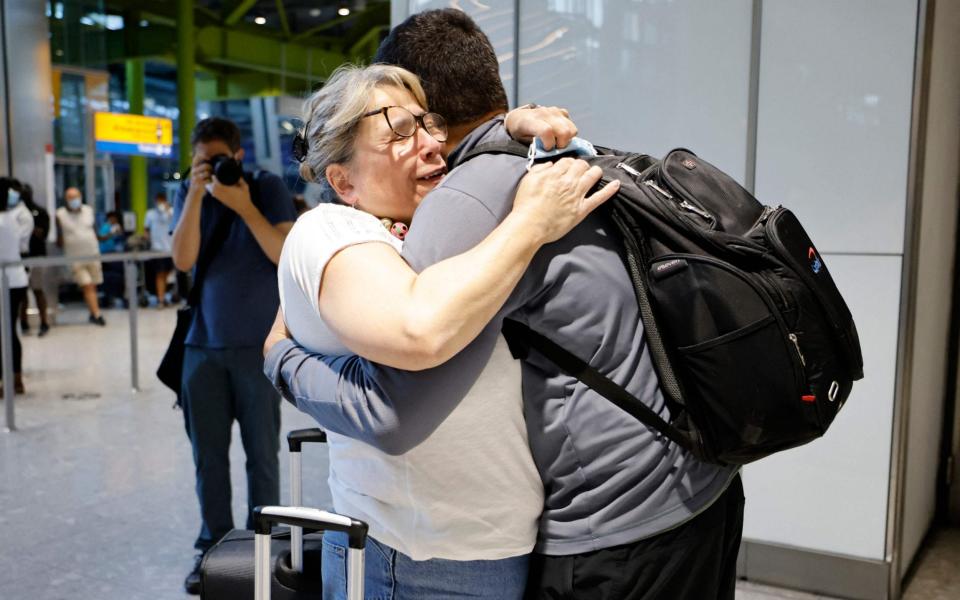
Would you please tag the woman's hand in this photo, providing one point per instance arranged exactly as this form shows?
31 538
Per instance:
549 123
552 197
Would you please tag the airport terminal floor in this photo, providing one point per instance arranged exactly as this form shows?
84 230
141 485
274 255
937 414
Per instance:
96 485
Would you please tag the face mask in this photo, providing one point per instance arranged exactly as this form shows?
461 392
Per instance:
74 203
13 198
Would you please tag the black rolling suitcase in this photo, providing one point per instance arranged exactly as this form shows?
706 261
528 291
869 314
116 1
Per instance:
290 560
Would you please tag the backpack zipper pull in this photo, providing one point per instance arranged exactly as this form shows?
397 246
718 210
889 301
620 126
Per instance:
796 344
628 169
650 183
696 210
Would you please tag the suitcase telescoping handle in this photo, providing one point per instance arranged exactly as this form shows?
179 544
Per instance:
295 439
264 517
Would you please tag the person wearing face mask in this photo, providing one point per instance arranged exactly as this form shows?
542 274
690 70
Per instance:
232 231
77 235
12 239
20 214
158 225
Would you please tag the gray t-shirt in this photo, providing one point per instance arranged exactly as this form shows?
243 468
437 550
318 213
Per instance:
608 479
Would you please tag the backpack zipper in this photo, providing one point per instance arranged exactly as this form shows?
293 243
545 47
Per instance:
796 344
762 219
651 184
686 204
628 169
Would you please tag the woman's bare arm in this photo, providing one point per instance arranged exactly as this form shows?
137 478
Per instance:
384 311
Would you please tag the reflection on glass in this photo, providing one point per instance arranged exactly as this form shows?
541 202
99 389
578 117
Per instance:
644 76
496 19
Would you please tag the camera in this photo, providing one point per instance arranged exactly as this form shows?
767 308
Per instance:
228 170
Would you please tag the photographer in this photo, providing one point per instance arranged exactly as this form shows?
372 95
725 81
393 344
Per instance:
237 221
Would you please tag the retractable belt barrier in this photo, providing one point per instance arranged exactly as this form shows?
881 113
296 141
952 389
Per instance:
129 259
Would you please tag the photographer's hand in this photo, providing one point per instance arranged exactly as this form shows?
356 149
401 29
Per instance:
235 197
185 244
201 173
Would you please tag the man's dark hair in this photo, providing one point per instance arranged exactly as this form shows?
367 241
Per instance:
160 195
454 60
216 128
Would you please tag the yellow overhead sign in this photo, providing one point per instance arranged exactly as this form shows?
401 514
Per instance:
133 134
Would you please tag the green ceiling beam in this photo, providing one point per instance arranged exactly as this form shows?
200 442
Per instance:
245 84
239 49
231 62
284 25
366 47
239 12
323 27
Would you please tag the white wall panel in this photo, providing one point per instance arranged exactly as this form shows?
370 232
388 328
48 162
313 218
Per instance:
644 76
831 495
836 83
934 260
497 19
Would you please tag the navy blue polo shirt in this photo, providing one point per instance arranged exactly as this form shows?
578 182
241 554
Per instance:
239 297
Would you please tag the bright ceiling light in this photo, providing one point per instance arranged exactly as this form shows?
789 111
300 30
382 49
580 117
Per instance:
260 20
343 11
314 12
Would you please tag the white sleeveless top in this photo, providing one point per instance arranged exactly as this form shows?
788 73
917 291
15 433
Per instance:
471 490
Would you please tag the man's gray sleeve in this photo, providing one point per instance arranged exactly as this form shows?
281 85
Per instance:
392 409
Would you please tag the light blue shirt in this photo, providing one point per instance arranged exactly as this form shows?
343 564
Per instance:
159 223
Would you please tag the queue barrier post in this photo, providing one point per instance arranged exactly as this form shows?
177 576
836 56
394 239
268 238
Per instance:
6 347
130 259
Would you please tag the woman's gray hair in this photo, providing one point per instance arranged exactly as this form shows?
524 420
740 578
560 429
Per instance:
333 113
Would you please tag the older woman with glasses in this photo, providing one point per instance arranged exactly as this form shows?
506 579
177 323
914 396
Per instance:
457 515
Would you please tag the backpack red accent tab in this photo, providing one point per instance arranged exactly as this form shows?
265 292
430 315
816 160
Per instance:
808 398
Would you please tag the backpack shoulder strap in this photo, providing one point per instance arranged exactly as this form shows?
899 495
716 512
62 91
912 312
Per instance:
521 339
512 147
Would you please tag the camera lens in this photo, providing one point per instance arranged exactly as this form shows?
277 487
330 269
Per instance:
227 170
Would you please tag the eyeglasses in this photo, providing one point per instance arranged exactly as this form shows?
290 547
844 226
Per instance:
404 123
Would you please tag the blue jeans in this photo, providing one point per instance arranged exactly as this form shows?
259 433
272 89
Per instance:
218 387
391 575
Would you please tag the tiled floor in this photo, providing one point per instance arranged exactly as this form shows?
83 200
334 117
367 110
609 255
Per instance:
96 486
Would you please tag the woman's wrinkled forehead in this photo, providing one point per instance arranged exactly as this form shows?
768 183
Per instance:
388 94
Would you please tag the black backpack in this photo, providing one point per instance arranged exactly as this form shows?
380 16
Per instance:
755 349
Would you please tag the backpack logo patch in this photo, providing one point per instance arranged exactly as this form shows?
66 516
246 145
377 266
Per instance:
816 265
665 269
688 163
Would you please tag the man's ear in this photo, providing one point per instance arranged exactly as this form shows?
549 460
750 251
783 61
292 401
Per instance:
338 176
238 155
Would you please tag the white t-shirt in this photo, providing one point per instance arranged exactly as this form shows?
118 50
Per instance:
10 249
24 220
158 223
79 238
471 490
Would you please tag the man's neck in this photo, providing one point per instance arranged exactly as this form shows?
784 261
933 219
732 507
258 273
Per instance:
456 133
